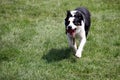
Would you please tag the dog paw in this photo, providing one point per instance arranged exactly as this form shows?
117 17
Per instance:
78 55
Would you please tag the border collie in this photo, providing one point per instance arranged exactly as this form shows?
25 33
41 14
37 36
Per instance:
77 23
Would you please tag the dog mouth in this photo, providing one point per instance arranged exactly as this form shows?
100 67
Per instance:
71 31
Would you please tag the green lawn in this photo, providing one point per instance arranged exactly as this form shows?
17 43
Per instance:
33 44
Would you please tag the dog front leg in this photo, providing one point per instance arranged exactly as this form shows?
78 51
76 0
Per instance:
72 43
82 43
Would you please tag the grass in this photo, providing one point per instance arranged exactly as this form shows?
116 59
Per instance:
33 44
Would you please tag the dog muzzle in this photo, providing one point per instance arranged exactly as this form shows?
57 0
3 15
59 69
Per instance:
71 32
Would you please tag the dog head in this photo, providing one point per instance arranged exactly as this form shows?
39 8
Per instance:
73 21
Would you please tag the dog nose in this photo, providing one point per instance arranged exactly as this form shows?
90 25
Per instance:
69 27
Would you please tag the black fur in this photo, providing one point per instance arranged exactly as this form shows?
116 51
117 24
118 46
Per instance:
87 15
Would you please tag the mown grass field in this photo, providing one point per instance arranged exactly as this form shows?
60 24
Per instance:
33 44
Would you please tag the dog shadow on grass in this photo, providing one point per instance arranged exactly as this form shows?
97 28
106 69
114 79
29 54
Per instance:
55 55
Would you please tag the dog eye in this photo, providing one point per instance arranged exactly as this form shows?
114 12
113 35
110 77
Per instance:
76 23
67 22
74 15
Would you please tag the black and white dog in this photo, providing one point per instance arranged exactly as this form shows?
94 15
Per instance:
77 22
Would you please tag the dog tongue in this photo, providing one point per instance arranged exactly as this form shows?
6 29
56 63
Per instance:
71 32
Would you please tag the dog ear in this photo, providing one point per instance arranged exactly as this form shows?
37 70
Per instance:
79 15
68 11
66 19
67 14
